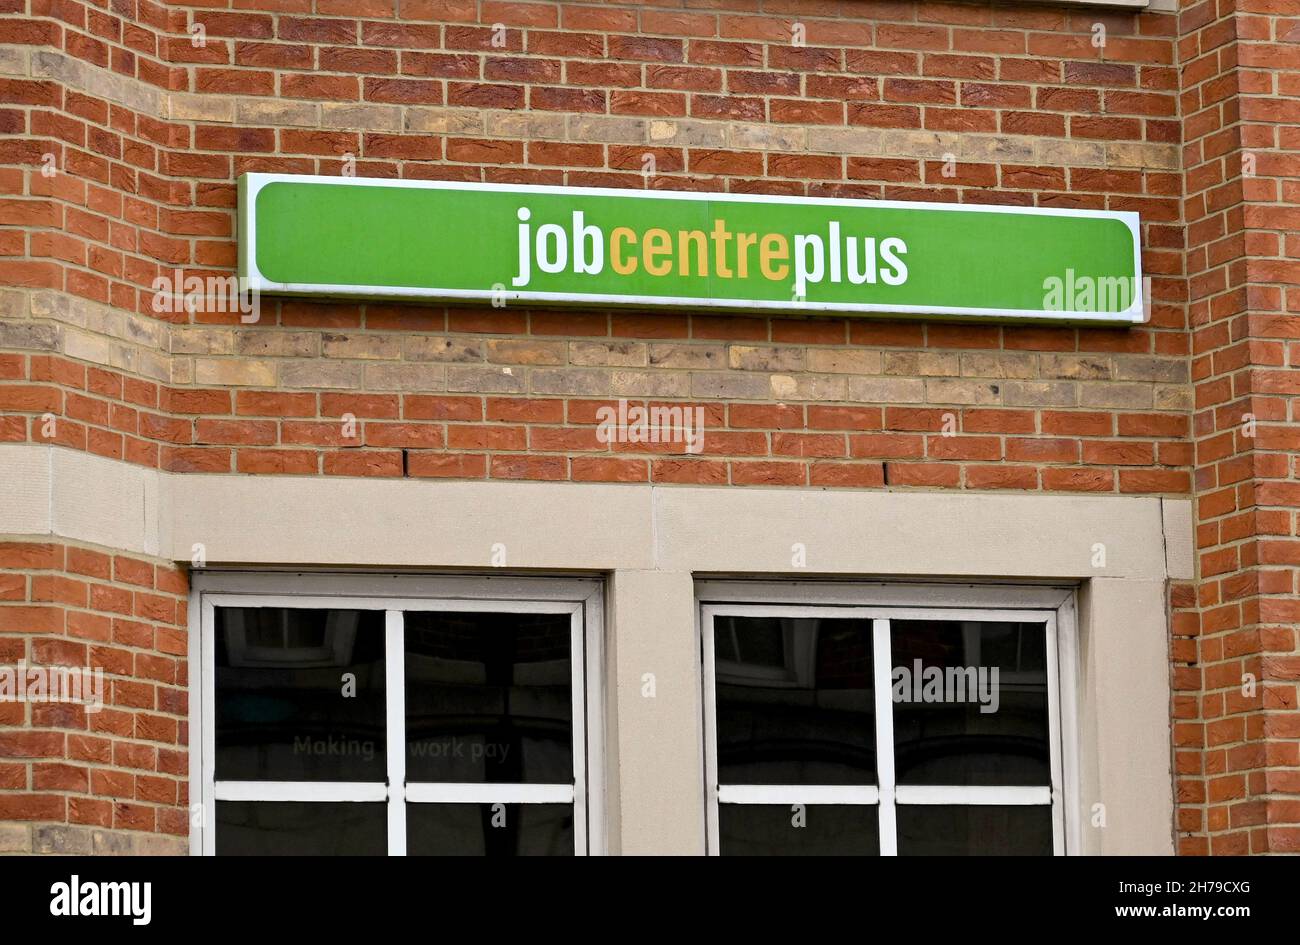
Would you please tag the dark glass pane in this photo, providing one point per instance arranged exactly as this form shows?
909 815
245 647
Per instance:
489 829
774 830
292 828
795 701
300 694
934 830
489 698
970 702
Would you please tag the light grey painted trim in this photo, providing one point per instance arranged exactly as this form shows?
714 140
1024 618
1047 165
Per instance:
274 520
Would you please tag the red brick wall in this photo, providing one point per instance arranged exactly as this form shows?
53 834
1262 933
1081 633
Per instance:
1238 738
74 779
881 94
147 131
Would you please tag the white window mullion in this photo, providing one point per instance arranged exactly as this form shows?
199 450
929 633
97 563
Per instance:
395 693
208 675
1054 738
864 794
959 795
310 792
476 792
577 662
882 662
712 838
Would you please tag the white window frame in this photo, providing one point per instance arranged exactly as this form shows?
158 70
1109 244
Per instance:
395 594
881 602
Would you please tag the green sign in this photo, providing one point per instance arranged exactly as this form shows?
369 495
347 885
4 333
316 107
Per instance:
409 239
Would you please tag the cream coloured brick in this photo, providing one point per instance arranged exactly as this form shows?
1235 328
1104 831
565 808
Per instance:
1149 155
110 843
1173 398
261 112
365 346
612 353
722 384
533 126
61 839
320 374
600 129
156 845
182 371
433 348
650 384
1039 394
14 303
15 838
486 380
579 381
144 331
1002 364
240 373
886 390
922 363
844 140
185 107
1056 153
14 61
512 351
1143 368
153 365
819 387
442 121
699 357
1132 396
695 134
190 339
278 344
991 149
766 358
766 138
1082 367
844 360
86 347
922 144
385 376
343 116
55 305
944 390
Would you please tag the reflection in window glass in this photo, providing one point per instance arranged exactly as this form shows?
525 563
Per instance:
299 694
489 829
489 698
291 828
938 830
783 830
970 702
795 700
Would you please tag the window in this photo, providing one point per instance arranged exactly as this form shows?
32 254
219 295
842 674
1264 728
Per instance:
373 716
886 720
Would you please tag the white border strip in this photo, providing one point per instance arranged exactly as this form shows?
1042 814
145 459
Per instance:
252 183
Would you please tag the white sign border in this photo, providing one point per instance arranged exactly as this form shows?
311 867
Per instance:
250 184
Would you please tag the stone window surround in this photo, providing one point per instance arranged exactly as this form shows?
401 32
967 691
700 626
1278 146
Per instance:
652 544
